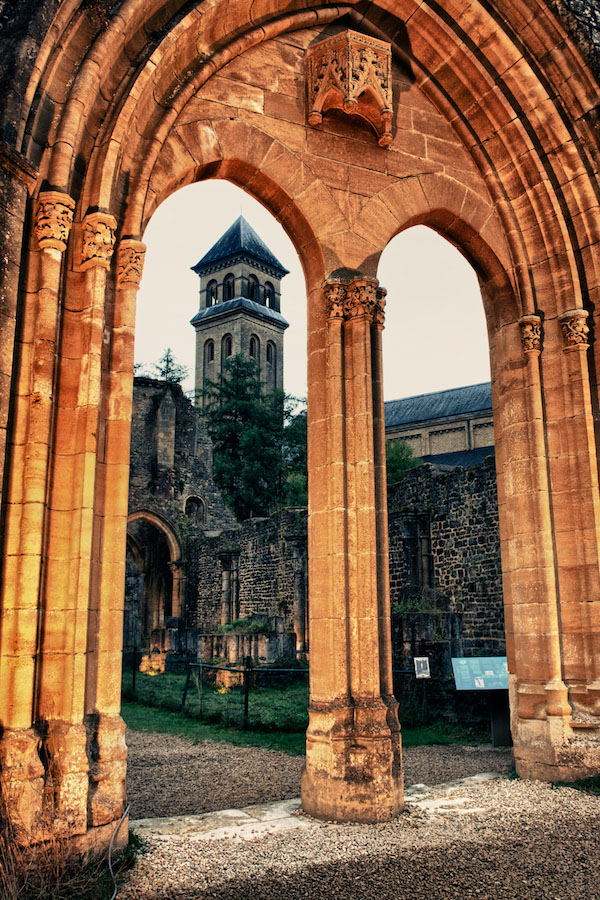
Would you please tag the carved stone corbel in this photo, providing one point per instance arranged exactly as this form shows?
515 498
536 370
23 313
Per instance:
53 220
130 263
352 72
97 240
574 328
531 334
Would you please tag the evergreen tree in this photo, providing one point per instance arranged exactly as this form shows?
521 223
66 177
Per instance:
168 369
246 427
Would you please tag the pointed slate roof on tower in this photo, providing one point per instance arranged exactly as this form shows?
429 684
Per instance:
240 239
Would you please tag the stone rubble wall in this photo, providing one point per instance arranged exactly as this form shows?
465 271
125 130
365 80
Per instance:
460 508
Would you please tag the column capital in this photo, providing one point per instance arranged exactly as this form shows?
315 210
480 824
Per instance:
361 298
574 329
130 263
357 297
531 334
53 220
97 240
335 298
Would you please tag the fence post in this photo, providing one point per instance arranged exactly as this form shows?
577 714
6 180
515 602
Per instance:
187 684
247 667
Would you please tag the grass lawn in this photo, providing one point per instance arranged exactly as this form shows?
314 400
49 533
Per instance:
144 718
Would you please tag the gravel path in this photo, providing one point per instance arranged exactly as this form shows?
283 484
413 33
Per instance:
171 776
500 840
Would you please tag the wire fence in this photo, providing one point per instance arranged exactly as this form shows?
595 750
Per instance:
262 698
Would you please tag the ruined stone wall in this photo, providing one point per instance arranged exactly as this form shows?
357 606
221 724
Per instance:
263 548
459 511
171 457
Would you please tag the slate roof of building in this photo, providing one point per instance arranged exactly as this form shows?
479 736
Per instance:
239 239
464 458
239 303
476 398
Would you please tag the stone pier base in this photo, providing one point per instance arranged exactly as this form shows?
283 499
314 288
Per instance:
353 771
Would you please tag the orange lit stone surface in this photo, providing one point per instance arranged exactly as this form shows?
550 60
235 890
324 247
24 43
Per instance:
485 131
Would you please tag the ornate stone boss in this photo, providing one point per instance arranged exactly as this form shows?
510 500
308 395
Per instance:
351 72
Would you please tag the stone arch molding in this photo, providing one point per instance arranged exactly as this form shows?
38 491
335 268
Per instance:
492 142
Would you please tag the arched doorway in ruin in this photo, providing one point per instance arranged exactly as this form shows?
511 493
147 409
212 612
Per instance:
479 124
154 587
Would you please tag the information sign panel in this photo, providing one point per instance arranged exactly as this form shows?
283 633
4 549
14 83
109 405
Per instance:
480 673
422 667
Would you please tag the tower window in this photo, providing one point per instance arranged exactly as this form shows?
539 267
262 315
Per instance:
270 354
254 347
227 346
209 351
269 295
253 288
228 287
211 293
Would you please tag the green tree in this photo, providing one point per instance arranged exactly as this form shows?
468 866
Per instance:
295 489
169 369
246 427
399 460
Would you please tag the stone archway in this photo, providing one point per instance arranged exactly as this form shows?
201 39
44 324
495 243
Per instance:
491 140
157 554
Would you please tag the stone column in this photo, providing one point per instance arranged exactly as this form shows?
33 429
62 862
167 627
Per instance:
103 695
576 502
539 702
17 180
23 626
353 766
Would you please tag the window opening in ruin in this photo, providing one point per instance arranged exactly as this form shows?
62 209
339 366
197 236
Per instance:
195 510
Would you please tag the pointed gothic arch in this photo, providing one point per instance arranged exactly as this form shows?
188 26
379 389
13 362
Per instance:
504 154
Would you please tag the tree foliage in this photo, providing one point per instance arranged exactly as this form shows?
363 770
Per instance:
246 427
169 369
295 488
399 460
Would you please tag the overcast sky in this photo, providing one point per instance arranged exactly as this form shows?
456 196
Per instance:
435 335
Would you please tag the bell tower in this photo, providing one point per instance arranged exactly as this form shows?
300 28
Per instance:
239 307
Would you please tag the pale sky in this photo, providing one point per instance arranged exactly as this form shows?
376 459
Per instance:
435 334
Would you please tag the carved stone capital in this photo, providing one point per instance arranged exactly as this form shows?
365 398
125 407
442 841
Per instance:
335 297
351 72
357 297
361 299
53 220
379 311
130 263
531 334
574 328
97 240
